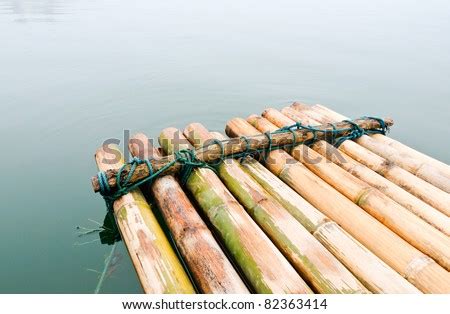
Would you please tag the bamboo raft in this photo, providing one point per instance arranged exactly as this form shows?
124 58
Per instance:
289 212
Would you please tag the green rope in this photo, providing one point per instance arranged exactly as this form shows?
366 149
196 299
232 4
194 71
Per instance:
270 147
188 160
218 161
248 152
332 134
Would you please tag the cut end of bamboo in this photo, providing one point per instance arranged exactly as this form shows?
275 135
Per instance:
141 146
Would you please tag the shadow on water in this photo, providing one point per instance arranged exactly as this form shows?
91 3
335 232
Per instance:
108 234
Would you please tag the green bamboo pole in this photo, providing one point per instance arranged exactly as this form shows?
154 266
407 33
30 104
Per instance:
416 267
259 260
322 271
211 270
156 264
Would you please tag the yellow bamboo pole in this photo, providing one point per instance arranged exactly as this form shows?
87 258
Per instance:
260 261
296 115
419 269
429 214
154 260
321 270
211 270
417 165
407 225
380 279
408 151
400 147
406 180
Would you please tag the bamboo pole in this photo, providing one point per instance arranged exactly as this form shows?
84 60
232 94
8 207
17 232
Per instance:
156 264
408 151
310 112
414 163
320 269
397 218
429 214
412 155
380 279
400 147
234 146
416 267
211 270
296 115
263 265
406 180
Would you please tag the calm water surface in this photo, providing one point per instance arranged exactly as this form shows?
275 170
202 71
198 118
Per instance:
74 73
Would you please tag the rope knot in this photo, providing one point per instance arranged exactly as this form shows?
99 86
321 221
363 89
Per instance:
189 161
383 129
355 132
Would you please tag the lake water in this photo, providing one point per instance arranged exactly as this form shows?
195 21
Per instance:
74 73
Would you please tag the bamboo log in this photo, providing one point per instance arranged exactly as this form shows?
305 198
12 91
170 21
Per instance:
156 264
408 151
234 146
293 114
380 279
397 218
406 180
402 148
322 113
416 267
429 214
211 270
320 269
310 112
263 265
414 185
417 165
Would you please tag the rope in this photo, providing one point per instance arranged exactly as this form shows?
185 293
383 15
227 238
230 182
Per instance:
332 140
270 147
356 131
222 152
188 160
384 129
247 152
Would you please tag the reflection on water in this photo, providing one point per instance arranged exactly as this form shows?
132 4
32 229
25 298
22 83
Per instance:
108 234
32 10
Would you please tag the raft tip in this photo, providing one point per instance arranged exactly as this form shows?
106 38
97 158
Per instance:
299 104
252 116
139 135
